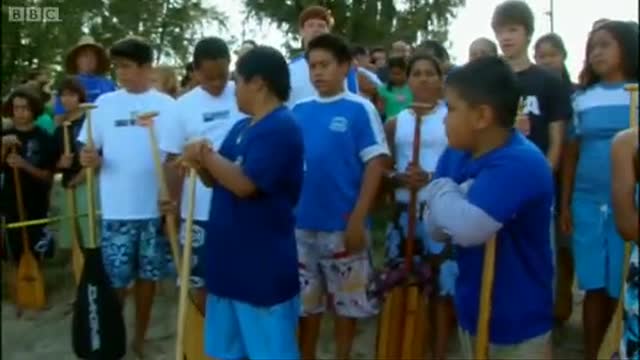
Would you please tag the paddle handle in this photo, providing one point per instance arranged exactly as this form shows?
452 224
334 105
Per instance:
185 273
409 246
488 270
172 231
20 205
91 200
633 105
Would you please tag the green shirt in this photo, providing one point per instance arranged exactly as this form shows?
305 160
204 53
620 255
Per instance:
46 123
396 100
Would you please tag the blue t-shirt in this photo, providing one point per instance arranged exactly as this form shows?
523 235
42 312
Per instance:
513 184
341 134
250 244
93 85
600 112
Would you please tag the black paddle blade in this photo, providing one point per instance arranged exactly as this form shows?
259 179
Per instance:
98 329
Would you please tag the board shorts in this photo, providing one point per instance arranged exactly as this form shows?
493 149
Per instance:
197 251
630 342
538 347
330 276
41 243
134 249
598 249
426 249
236 330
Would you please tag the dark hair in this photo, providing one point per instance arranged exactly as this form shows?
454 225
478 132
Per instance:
426 57
513 12
72 84
492 45
210 48
28 92
315 12
250 42
626 35
188 67
269 65
556 42
334 44
377 49
358 50
488 81
435 49
398 62
133 48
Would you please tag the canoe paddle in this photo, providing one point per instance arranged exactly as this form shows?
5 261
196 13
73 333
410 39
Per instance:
77 257
185 273
146 120
98 329
483 337
30 290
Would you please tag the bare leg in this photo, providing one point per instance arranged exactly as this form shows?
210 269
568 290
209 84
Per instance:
564 287
596 315
345 332
144 293
309 331
200 299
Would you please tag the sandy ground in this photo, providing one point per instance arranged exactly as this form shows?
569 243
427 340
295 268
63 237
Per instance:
47 335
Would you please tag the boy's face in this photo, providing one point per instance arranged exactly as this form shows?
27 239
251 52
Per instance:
246 92
213 75
327 75
547 55
70 100
129 74
379 59
21 111
312 28
513 40
461 121
86 61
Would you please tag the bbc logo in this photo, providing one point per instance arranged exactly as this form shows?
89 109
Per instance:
33 14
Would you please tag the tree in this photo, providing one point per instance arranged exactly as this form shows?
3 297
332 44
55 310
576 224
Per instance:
367 22
171 26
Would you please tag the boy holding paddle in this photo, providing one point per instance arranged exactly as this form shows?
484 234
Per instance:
345 147
133 247
252 266
492 180
207 111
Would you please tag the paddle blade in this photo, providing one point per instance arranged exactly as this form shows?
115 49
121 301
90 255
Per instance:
30 290
390 325
98 329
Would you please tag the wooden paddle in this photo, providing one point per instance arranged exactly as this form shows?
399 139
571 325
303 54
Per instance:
403 324
98 329
611 343
146 120
30 290
77 257
185 274
481 350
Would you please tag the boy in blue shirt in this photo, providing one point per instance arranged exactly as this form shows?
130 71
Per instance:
492 180
344 154
251 270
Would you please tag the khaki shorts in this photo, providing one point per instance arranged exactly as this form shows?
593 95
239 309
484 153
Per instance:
536 348
329 278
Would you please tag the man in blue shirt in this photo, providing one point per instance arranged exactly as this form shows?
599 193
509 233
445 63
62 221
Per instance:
492 180
251 266
344 153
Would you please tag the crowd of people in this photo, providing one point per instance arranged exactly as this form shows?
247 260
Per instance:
294 156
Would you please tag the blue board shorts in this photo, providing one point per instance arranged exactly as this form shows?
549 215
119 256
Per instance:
235 330
199 232
598 250
134 249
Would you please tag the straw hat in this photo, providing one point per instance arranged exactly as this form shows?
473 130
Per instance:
102 60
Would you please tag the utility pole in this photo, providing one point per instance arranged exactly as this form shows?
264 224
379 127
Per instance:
550 14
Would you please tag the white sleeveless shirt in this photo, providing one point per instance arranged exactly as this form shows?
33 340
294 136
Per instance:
432 144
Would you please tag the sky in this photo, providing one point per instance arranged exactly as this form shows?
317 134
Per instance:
572 21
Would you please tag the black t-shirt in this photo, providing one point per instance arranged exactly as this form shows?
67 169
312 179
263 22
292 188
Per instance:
36 149
547 99
58 149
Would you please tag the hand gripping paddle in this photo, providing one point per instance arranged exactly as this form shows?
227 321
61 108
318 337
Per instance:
98 330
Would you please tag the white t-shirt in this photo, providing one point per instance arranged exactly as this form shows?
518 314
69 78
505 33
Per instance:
201 115
433 142
128 179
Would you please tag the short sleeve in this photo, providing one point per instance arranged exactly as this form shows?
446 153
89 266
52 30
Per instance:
369 134
573 127
58 109
271 156
559 100
513 182
171 132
